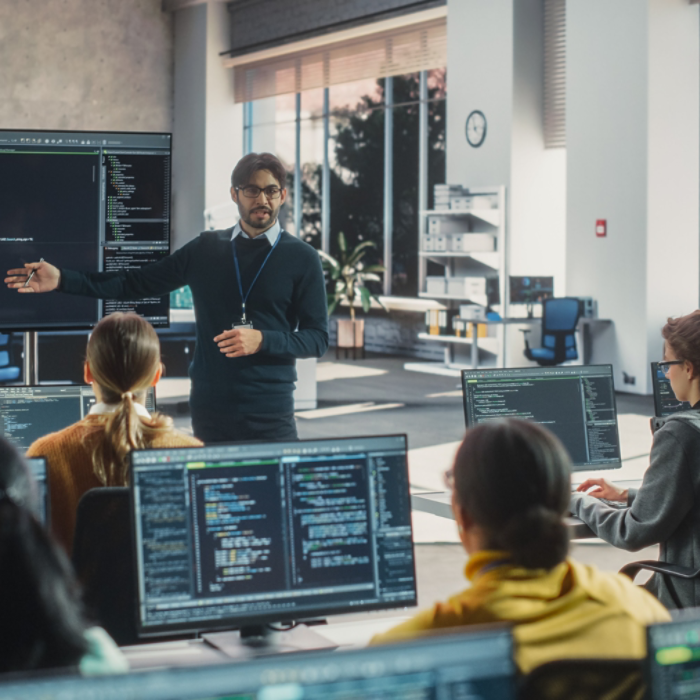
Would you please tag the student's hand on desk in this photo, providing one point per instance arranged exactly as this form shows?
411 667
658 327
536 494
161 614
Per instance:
239 342
601 488
45 279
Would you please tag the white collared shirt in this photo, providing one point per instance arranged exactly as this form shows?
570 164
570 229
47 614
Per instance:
272 233
100 409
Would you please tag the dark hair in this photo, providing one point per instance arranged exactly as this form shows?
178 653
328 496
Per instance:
683 335
253 162
513 477
41 615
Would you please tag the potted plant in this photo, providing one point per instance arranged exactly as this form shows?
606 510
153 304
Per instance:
348 275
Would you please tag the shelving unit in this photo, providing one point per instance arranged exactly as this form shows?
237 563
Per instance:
462 230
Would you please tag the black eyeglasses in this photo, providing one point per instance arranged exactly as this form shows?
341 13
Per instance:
665 366
253 192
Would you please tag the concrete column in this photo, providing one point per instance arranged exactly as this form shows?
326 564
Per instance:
208 126
633 159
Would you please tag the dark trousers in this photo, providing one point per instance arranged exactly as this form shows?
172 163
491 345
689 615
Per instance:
213 426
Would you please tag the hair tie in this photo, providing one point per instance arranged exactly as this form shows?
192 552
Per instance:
128 395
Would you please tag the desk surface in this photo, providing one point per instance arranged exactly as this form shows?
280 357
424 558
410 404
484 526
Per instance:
440 503
196 652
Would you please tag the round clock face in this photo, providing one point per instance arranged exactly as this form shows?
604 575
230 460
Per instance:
476 128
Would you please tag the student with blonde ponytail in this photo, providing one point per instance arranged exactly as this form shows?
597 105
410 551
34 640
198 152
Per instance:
122 362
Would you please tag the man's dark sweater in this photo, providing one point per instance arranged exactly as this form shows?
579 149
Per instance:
289 294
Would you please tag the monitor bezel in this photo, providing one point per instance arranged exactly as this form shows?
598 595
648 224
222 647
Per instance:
574 467
658 410
88 327
229 623
519 277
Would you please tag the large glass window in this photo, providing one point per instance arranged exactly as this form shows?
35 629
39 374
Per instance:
356 118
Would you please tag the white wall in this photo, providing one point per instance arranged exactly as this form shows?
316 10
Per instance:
632 158
495 64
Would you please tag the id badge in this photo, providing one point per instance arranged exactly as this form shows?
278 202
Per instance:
238 325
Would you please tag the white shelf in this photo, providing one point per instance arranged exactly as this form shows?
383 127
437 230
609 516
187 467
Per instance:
449 254
425 295
490 216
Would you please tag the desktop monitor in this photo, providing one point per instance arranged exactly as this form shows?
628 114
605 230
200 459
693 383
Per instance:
576 403
30 412
88 201
672 665
241 535
665 401
531 290
37 466
460 666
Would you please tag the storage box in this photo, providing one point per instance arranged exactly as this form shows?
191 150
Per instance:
472 312
427 243
472 243
447 224
466 287
435 285
439 243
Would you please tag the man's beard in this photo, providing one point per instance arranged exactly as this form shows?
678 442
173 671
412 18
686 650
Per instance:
260 224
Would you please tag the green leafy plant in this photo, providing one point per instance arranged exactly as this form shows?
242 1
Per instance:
348 275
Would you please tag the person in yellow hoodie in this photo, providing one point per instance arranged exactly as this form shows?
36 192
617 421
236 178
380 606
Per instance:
510 490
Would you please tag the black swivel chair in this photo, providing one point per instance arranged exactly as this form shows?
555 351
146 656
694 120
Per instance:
559 320
585 679
667 571
103 559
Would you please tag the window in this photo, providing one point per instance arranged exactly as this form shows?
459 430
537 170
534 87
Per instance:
348 122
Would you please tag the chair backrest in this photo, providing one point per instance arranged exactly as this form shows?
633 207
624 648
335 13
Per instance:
585 679
560 315
103 559
559 320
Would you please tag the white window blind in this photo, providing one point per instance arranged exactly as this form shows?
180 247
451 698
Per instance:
555 73
401 50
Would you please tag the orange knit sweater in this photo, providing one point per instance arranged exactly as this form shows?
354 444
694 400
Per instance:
70 469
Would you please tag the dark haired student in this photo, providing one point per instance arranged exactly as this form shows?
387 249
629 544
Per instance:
510 489
259 301
41 617
665 510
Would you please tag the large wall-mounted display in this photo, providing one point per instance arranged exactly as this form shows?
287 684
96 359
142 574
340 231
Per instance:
89 201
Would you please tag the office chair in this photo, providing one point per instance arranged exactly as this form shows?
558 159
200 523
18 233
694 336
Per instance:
7 373
667 571
559 320
585 679
103 559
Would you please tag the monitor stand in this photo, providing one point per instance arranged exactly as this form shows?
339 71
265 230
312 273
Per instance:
261 640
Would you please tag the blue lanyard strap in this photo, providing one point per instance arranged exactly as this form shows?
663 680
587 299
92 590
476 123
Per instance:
244 297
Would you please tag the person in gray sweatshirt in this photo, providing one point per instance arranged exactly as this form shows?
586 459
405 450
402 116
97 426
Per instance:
665 509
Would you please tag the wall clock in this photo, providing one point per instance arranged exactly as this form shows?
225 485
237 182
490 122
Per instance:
476 128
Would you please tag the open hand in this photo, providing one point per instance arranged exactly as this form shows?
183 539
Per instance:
46 278
239 342
603 489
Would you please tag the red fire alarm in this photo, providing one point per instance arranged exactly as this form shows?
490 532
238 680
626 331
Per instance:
601 228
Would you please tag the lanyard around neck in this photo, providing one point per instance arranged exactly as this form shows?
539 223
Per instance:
244 297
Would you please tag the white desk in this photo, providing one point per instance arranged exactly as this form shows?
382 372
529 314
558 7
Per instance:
346 632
